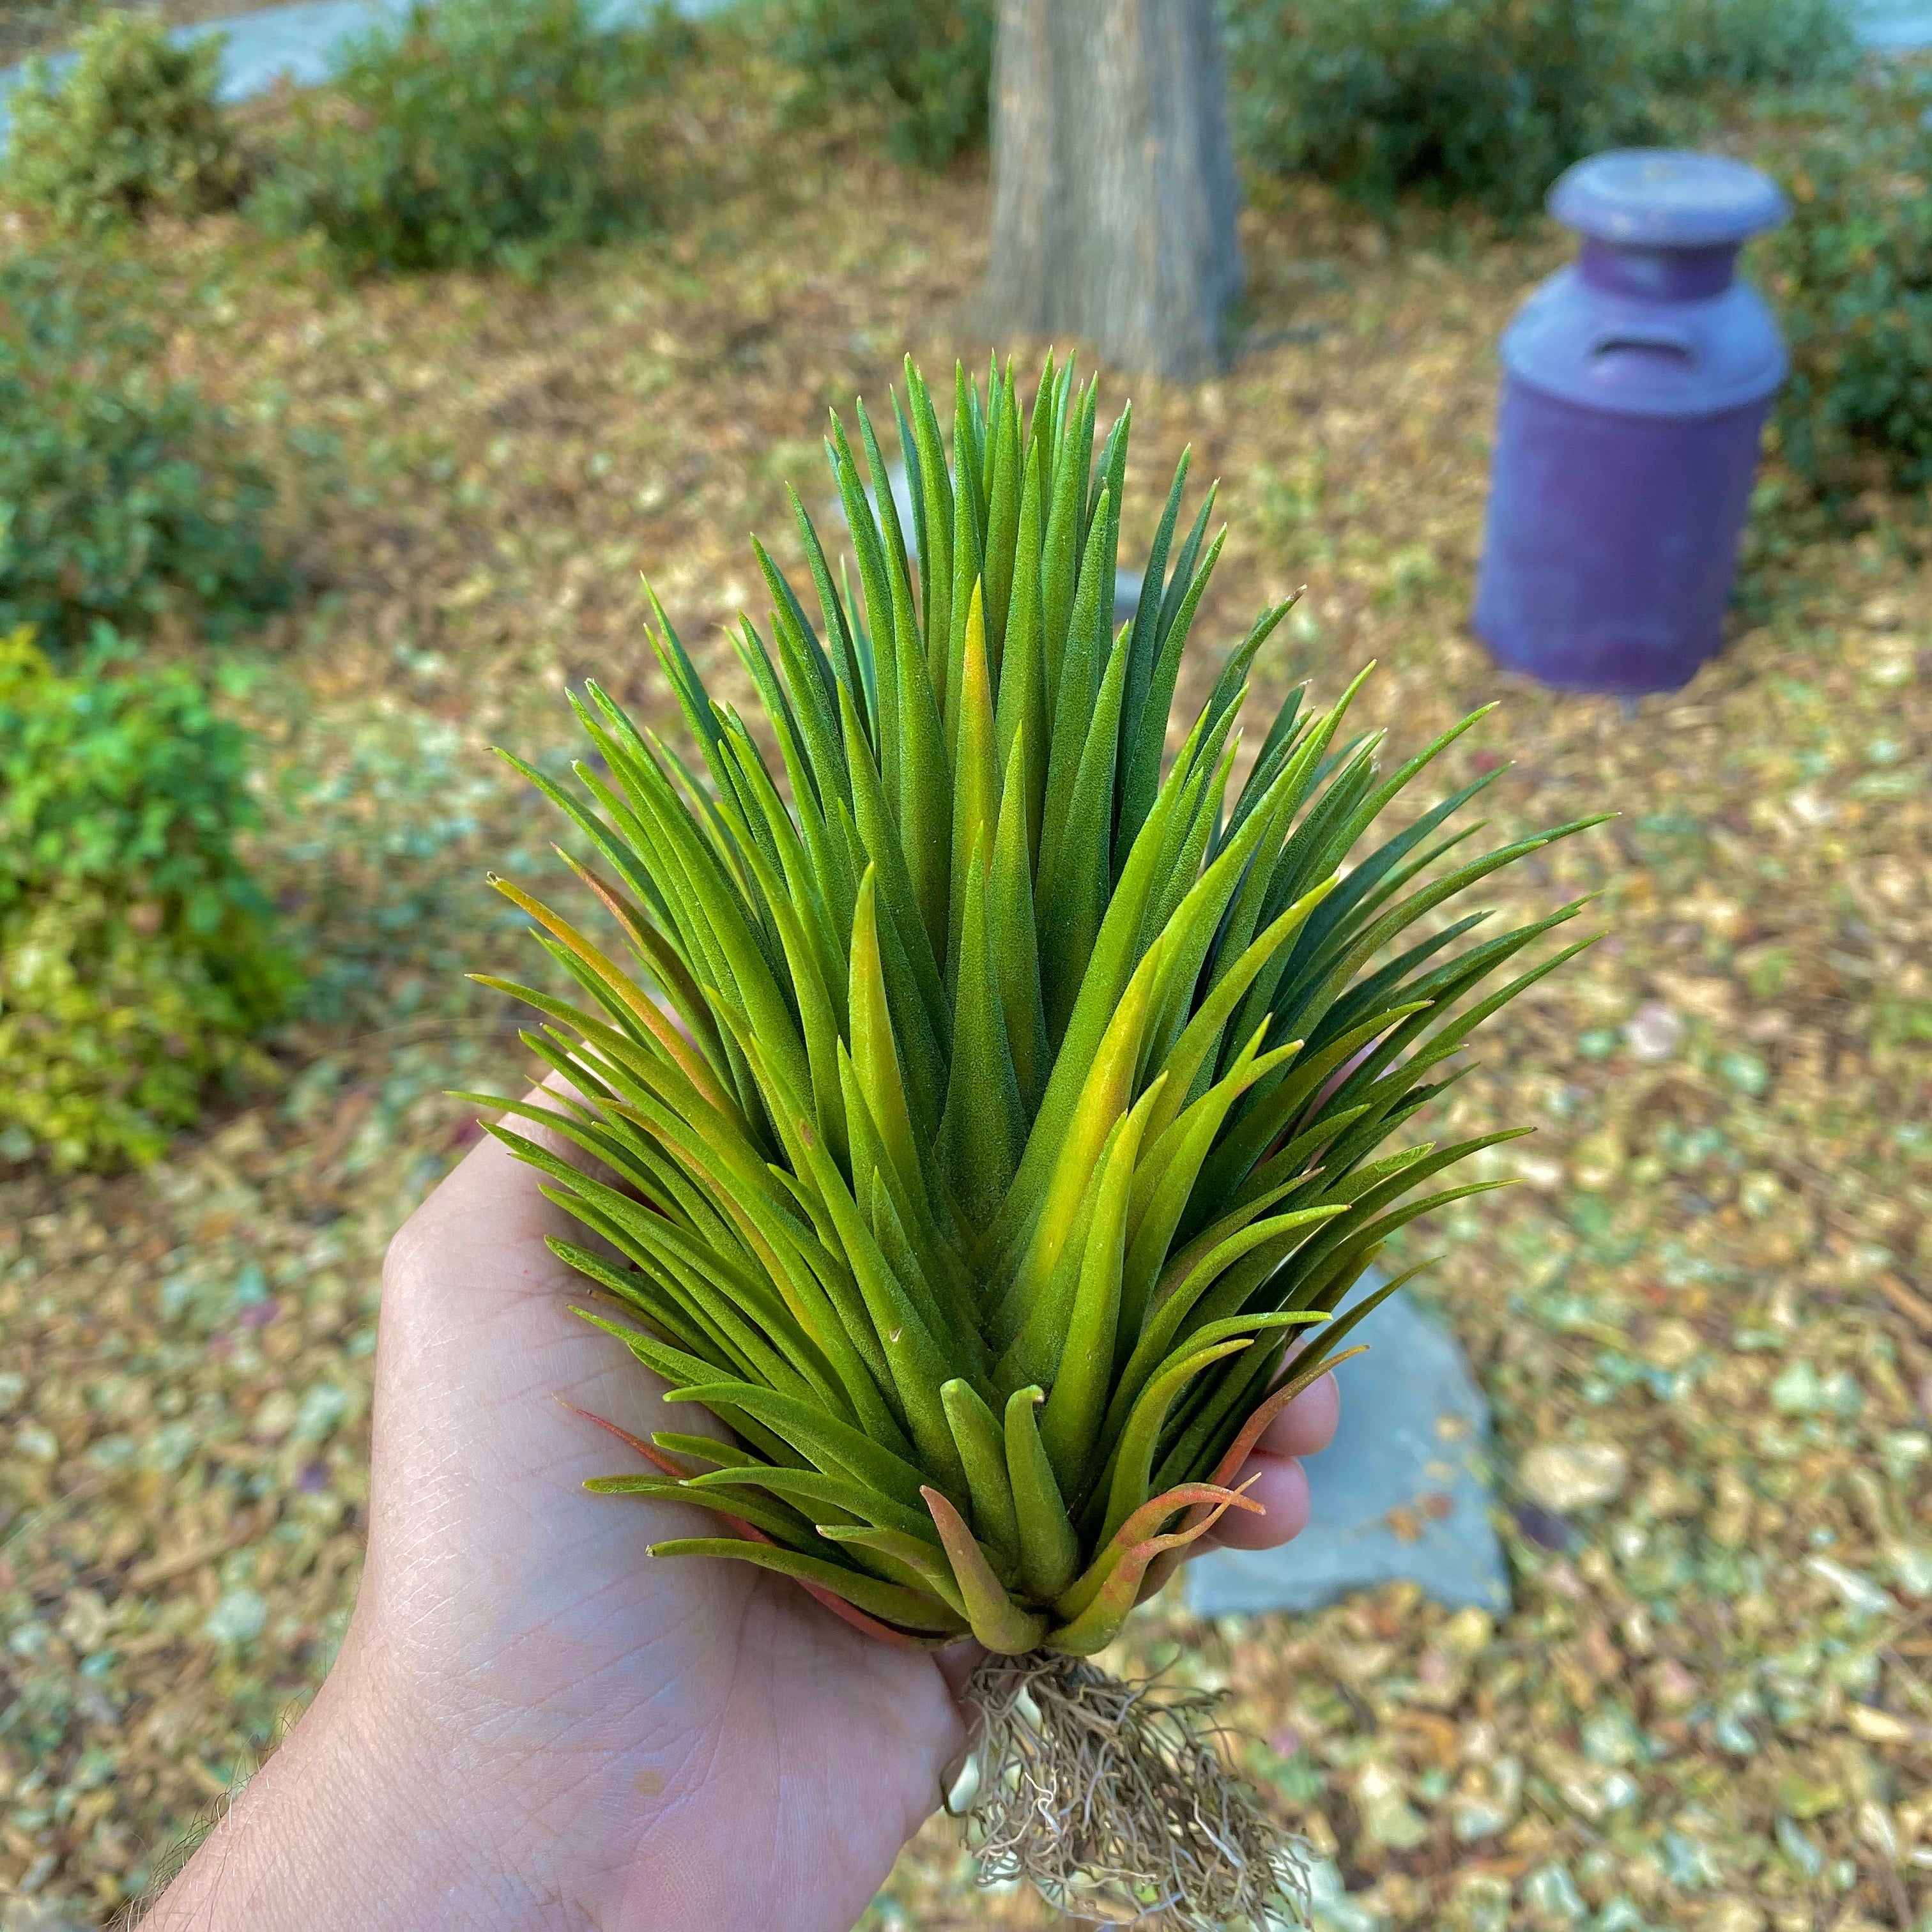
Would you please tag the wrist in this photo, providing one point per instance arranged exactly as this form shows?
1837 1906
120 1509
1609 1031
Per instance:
347 1827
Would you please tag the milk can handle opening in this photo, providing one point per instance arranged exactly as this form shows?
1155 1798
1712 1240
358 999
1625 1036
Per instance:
1647 339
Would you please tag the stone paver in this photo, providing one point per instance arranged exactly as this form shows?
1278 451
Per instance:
1401 1494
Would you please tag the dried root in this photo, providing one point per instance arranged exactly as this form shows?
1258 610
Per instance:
1113 1798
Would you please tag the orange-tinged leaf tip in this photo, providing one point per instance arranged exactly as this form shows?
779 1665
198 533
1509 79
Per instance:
651 1452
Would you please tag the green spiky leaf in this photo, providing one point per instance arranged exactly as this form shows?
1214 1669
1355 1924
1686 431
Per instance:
981 1108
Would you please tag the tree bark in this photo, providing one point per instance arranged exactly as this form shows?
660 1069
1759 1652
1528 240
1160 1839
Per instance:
1113 188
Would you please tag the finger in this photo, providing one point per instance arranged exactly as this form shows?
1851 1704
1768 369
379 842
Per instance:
957 1662
1280 1485
491 1191
1307 1425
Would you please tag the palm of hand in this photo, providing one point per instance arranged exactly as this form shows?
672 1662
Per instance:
640 1728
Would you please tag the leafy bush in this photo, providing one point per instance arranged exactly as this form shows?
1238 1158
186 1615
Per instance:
1685 47
1485 99
1489 101
134 127
928 62
137 960
121 497
477 133
1853 271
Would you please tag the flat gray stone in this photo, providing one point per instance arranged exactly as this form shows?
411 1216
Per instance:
1411 1440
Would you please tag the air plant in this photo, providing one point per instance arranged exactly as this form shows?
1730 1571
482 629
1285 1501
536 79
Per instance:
1001 1112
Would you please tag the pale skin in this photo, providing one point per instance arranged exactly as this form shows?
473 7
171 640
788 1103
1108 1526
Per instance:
533 1723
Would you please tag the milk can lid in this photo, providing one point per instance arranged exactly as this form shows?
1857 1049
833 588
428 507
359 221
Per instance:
1665 198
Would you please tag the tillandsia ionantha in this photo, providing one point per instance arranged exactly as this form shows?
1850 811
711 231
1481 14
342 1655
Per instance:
999 1118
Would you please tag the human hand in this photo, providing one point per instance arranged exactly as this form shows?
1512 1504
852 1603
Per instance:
533 1724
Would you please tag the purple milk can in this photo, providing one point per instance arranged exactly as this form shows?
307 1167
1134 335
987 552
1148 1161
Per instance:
1635 387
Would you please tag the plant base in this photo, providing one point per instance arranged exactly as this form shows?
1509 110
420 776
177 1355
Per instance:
1113 1798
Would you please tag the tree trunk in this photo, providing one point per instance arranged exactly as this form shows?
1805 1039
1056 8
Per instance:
1114 190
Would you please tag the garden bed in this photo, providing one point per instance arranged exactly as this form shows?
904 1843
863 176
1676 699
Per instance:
1704 1319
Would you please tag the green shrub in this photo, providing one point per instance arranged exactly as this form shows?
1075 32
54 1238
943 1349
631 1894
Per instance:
121 496
929 63
1483 100
1489 101
134 127
137 959
1852 272
476 133
1686 47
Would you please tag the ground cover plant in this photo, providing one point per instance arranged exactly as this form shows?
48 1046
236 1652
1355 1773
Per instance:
124 499
469 134
138 960
132 128
1701 1318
